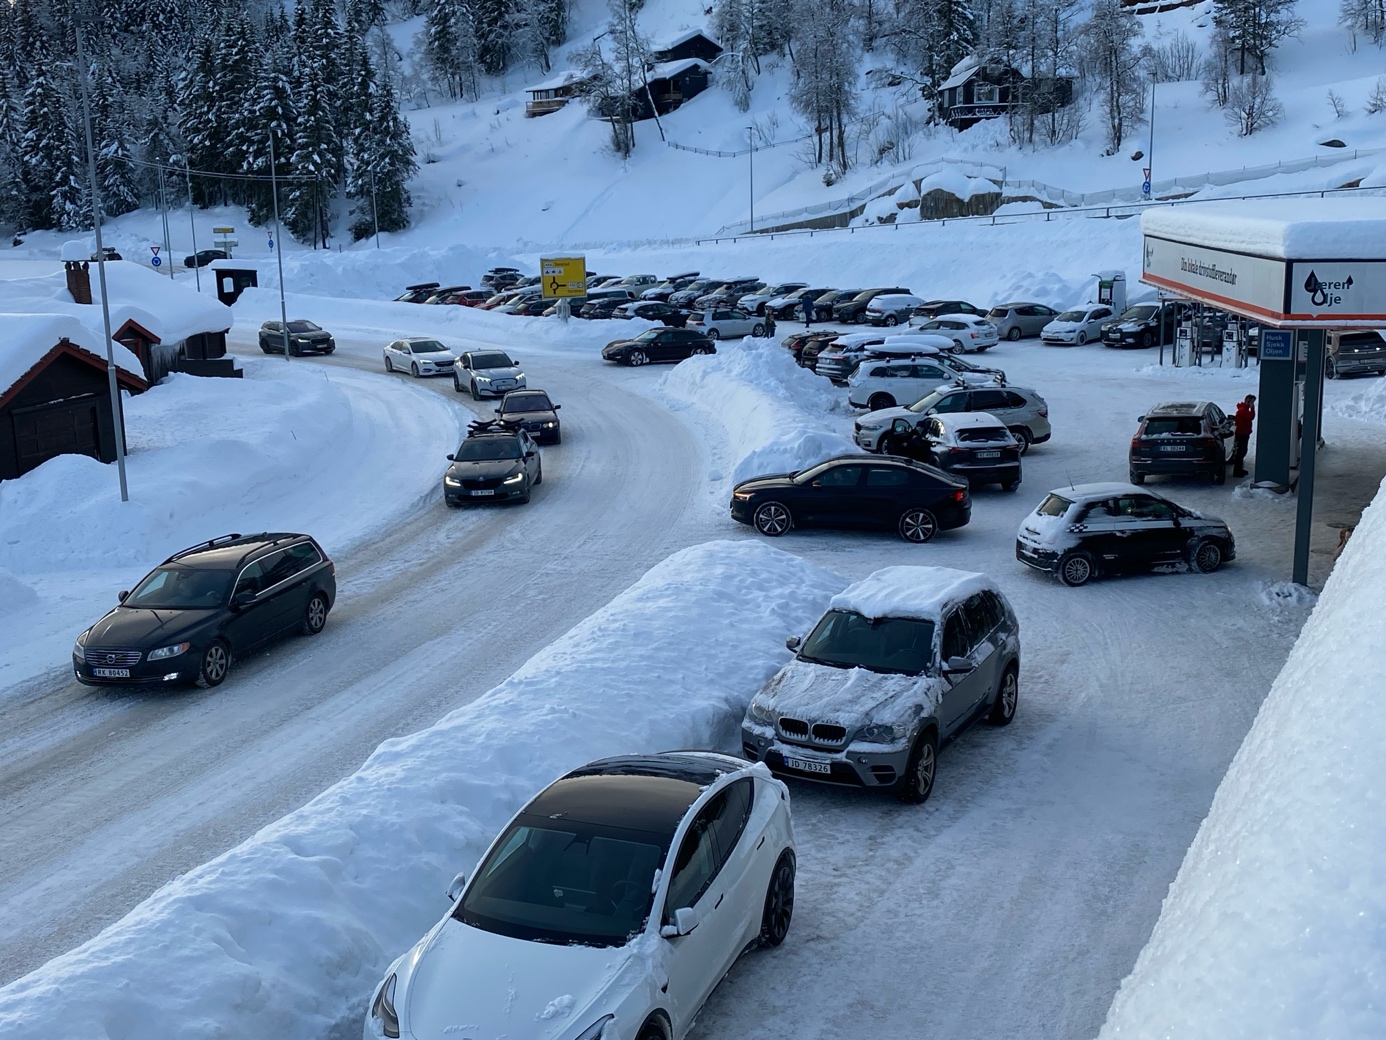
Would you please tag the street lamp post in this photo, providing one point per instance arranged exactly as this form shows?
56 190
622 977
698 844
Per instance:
750 138
278 246
117 413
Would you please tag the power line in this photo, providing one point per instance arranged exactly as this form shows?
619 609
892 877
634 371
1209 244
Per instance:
189 172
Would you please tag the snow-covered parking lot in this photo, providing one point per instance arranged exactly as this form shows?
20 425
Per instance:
1012 904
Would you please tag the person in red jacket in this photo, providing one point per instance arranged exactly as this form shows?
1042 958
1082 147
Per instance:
1242 423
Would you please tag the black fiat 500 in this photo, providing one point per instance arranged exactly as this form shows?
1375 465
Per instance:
190 616
915 500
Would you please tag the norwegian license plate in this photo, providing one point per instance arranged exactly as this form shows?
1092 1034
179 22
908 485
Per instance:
804 766
988 454
481 492
1173 447
111 673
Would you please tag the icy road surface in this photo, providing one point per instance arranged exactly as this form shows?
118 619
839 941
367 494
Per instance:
1011 905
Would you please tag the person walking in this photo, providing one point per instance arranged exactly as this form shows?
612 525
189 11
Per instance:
1242 423
769 324
807 301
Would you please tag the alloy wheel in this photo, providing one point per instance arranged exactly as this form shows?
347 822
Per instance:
918 526
772 519
317 615
638 358
1075 570
779 903
1014 333
215 661
1208 557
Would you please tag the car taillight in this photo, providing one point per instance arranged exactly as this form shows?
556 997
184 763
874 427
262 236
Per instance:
1135 442
960 496
1044 411
975 335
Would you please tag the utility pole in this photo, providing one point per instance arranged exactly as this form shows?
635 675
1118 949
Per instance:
278 247
1150 152
375 216
192 222
117 413
750 138
163 217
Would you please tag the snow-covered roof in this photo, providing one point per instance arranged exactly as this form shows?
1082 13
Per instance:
918 592
169 308
960 73
672 68
28 337
860 339
683 37
566 78
1286 229
1084 492
970 319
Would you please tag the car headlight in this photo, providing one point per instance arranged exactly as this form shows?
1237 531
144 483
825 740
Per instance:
452 481
550 425
742 496
880 734
482 379
165 652
761 713
383 1010
872 427
79 648
516 479
597 1029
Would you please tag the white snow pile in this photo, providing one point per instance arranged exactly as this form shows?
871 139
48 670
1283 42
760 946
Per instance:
1367 405
286 934
1276 923
913 592
14 594
778 417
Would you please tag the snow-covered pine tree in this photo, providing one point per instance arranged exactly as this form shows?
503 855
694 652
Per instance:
493 21
1111 60
734 27
197 122
112 133
381 167
929 37
12 194
316 158
54 172
1255 27
271 111
825 78
449 47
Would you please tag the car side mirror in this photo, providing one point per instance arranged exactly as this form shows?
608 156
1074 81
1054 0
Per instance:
529 454
685 920
557 407
455 888
793 642
242 599
452 457
958 666
496 410
122 594
1140 418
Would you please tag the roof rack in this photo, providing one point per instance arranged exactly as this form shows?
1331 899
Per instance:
480 426
200 546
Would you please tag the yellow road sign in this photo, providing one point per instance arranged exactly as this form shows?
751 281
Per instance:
563 276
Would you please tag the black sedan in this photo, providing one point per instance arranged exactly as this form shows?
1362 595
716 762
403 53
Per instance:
497 462
189 618
535 412
658 345
653 310
854 310
203 257
915 500
304 337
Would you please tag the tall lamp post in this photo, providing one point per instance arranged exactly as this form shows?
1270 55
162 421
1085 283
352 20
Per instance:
117 413
750 138
278 249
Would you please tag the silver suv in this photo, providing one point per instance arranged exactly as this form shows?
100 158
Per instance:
900 664
487 373
1023 411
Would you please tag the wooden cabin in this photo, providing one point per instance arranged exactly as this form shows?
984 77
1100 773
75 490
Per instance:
692 44
553 93
977 91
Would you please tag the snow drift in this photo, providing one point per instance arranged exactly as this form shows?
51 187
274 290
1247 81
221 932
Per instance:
286 934
1276 923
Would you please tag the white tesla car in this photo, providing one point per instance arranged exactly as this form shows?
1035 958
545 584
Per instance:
419 356
608 909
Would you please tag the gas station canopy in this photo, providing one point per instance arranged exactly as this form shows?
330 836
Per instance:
1287 263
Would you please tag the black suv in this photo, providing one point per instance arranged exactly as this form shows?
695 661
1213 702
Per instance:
935 308
854 310
497 461
189 617
1144 325
1184 438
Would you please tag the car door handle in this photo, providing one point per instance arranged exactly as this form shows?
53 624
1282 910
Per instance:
761 842
719 900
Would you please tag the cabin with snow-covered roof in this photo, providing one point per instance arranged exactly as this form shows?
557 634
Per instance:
554 92
985 90
691 44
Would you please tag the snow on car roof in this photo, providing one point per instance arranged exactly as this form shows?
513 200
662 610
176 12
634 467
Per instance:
1179 408
1084 492
968 421
885 298
1287 229
918 592
972 319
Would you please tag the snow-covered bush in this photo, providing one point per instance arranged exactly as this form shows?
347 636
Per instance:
1252 105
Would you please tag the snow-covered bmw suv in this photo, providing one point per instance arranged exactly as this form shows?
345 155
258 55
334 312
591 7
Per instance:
900 664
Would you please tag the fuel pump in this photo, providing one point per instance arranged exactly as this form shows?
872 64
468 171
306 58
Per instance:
1185 344
1234 347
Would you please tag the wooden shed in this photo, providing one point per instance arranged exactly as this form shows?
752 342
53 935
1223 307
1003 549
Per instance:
692 44
55 400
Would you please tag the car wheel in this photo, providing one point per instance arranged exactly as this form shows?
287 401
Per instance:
263 345
1007 694
1075 568
1330 368
1010 485
918 526
1147 339
878 401
1137 478
476 394
1082 338
216 661
713 334
918 782
772 519
652 1031
758 330
779 902
329 350
389 365
1021 434
701 350
558 437
456 383
638 358
860 319
1220 474
294 351
891 321
315 617
1206 556
1014 333
539 475
414 369
958 347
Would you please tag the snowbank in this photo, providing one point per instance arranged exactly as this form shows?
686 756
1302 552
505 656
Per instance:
777 416
1276 923
286 934
1367 405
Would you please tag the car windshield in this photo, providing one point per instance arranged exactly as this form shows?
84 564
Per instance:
846 639
984 435
650 334
560 881
526 403
1054 505
303 326
488 449
426 346
483 361
962 365
925 403
1138 313
1159 426
998 312
178 587
1072 316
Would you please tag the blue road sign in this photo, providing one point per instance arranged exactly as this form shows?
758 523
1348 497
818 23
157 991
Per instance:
1276 345
155 261
1145 187
271 242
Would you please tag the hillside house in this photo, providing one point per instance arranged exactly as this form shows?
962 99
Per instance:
692 44
977 91
553 93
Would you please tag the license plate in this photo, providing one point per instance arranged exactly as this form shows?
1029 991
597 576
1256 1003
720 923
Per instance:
481 492
111 673
988 454
807 767
1173 447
